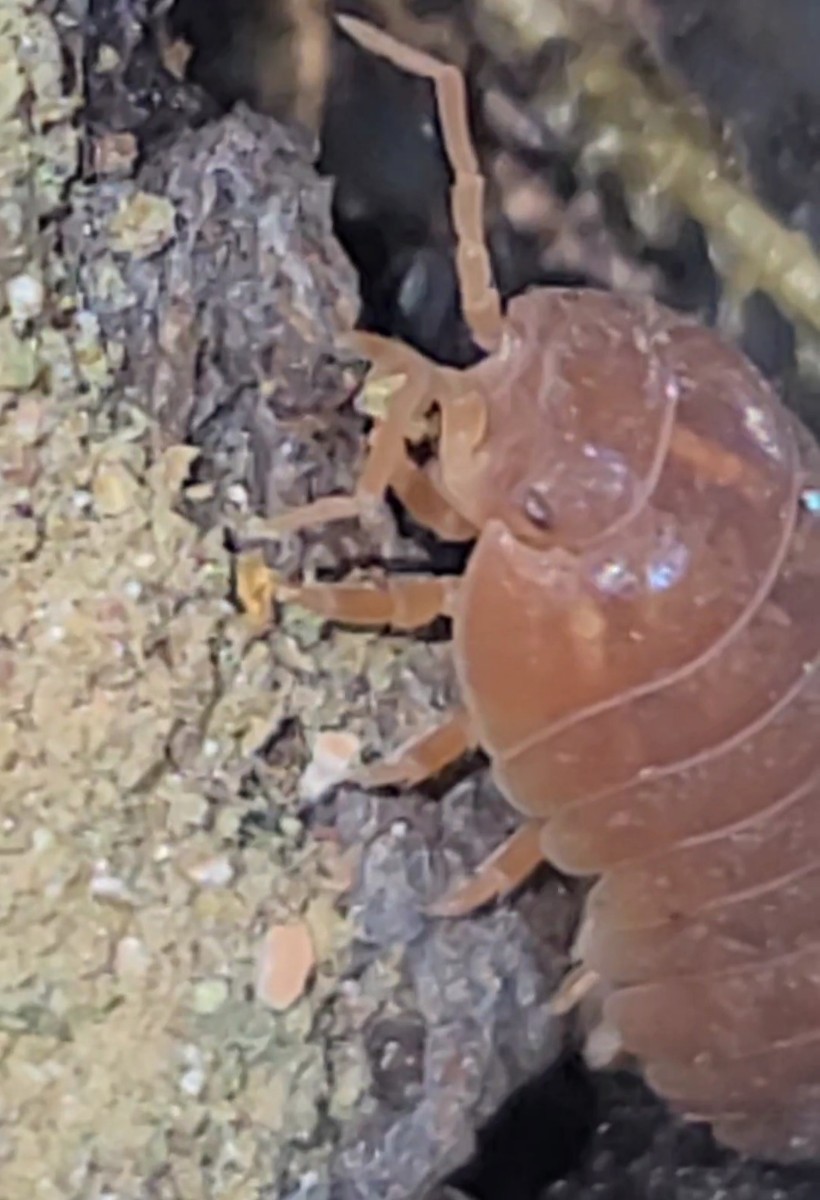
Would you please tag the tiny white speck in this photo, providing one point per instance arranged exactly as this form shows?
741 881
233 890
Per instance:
672 388
192 1082
237 494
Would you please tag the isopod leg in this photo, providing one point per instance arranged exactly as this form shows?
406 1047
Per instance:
506 868
416 487
479 297
388 464
422 756
420 495
408 602
387 453
574 987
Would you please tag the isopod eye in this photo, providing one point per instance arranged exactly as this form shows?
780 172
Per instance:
537 510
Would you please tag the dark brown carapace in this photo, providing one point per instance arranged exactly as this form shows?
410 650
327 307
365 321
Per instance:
636 637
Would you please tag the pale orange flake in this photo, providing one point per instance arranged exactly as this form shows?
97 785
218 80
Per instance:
286 961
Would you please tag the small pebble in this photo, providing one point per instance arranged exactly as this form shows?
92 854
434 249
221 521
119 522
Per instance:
187 810
214 872
286 961
334 752
114 153
209 996
28 420
25 296
228 823
107 58
143 225
237 493
291 827
192 1081
114 489
131 960
109 888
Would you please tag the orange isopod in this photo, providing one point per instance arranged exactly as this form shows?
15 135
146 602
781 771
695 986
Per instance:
636 637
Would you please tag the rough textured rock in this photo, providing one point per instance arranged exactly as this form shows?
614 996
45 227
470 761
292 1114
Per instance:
470 1020
227 320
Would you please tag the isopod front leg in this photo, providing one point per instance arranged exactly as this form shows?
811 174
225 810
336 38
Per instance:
420 493
387 451
422 756
387 464
404 603
504 870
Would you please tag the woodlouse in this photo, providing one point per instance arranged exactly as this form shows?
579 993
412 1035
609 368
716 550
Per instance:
636 637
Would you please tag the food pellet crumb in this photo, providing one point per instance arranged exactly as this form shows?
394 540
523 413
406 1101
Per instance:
286 961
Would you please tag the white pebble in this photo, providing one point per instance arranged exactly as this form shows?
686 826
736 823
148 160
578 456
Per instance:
131 960
109 888
334 752
211 872
193 1081
237 494
25 296
82 499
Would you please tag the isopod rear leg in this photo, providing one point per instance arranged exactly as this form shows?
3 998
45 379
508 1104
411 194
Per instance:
512 864
423 756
